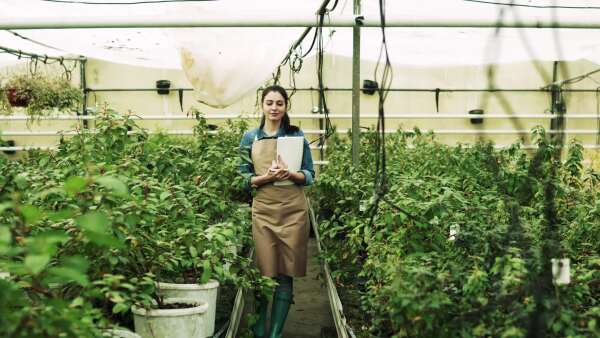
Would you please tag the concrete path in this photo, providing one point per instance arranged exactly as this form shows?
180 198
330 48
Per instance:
311 311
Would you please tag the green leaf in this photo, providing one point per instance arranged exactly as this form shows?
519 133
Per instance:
120 307
60 215
5 206
97 229
206 272
75 184
31 214
193 252
36 263
5 235
132 220
105 240
95 222
67 274
77 302
114 184
21 181
164 195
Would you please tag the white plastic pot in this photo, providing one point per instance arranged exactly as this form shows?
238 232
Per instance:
120 333
199 292
172 323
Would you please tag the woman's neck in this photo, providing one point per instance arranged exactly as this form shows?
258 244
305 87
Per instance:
271 127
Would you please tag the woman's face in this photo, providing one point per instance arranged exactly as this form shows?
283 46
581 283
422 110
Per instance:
274 106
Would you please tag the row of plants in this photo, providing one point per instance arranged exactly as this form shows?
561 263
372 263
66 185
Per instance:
86 232
461 244
38 95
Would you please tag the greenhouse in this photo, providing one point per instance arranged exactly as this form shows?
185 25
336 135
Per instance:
315 168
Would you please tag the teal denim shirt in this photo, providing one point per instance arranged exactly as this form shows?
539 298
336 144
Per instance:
247 168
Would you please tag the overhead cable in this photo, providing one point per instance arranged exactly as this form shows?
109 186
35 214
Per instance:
34 41
122 3
513 4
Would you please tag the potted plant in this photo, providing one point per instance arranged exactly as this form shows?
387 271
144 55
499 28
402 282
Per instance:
40 95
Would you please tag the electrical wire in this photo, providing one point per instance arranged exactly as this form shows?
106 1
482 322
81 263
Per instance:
329 130
122 3
512 4
384 78
34 41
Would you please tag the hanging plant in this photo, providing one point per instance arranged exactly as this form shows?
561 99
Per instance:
40 95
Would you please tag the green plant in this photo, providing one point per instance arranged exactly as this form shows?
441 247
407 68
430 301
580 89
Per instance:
131 209
40 95
490 279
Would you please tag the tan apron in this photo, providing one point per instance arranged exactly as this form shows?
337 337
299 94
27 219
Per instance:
279 220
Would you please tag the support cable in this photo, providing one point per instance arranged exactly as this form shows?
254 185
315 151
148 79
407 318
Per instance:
513 4
294 60
121 3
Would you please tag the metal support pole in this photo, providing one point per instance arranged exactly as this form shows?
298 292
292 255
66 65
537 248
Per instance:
558 108
83 84
356 88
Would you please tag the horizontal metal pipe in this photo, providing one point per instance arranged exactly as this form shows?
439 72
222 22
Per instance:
243 19
451 90
134 89
21 148
496 146
429 90
474 132
436 116
316 131
42 58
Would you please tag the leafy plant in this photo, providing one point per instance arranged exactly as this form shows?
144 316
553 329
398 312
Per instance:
415 280
40 95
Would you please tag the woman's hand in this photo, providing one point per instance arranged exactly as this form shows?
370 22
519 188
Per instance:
281 171
272 172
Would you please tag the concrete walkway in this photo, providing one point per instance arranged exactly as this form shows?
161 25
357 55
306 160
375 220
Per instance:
311 311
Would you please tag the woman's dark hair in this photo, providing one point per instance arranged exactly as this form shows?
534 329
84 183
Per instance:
285 121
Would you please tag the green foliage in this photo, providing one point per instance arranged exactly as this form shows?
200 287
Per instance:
493 278
109 214
40 94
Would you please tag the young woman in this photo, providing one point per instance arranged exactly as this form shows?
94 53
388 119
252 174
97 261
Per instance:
280 223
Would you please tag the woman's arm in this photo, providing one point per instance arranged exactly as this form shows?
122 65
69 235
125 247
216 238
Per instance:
306 167
257 181
297 177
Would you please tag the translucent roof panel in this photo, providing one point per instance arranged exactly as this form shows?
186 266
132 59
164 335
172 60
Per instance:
222 63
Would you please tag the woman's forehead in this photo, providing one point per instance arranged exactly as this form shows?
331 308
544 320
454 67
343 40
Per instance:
274 96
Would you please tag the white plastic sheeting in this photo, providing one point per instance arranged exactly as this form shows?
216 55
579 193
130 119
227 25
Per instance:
224 63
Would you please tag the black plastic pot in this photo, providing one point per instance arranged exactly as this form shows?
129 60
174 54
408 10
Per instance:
162 87
8 143
369 87
476 112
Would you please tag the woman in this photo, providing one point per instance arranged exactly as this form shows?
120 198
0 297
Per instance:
279 212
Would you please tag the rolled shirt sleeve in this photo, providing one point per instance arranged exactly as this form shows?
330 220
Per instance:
307 167
246 168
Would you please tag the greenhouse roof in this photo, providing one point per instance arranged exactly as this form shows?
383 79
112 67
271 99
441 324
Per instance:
256 51
156 47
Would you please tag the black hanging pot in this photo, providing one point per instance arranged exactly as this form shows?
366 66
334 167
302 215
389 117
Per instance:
476 112
162 87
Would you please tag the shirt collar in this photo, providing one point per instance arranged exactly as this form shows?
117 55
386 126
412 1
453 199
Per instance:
261 133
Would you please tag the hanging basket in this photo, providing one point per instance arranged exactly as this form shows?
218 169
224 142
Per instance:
17 98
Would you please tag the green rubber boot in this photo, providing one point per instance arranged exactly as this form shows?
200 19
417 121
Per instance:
262 305
281 306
